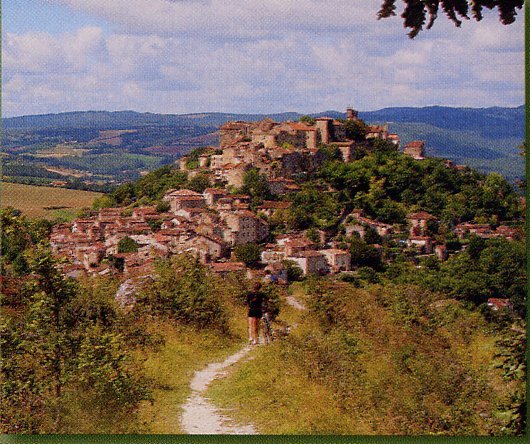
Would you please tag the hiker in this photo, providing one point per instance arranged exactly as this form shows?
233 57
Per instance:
255 312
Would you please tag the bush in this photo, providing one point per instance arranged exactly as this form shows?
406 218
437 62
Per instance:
127 245
368 274
163 206
250 254
185 292
294 272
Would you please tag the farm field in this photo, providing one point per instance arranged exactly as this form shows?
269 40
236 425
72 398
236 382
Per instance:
49 202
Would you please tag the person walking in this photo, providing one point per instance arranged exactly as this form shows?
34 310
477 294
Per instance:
255 312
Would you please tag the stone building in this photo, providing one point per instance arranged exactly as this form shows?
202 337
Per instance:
415 149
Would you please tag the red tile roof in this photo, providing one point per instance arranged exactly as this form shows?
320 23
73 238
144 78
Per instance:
219 267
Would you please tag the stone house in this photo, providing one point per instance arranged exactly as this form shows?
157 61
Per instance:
142 213
310 262
243 227
292 245
415 149
338 260
273 254
234 174
424 244
420 220
185 202
233 132
212 195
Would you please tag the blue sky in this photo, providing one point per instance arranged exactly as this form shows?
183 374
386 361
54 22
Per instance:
178 56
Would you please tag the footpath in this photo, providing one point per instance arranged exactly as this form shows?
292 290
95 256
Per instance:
200 416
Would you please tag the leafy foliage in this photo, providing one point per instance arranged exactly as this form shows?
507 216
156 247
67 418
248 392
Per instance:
127 245
53 347
250 253
184 292
416 11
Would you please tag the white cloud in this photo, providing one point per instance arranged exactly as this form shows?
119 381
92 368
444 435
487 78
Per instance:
258 56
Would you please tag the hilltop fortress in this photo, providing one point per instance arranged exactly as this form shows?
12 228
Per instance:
281 150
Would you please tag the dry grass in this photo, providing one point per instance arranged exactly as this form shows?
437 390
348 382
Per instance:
185 351
48 202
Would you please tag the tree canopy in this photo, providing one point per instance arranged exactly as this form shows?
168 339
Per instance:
417 11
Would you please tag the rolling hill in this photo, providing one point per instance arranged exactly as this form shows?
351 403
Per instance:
483 138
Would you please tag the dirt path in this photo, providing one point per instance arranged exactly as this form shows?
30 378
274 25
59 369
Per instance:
293 302
200 416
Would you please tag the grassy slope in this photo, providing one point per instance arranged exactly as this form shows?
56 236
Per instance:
278 398
172 367
36 201
276 394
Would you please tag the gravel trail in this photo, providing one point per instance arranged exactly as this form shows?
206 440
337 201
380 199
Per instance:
200 416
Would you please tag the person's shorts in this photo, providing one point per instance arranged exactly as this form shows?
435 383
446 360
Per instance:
255 314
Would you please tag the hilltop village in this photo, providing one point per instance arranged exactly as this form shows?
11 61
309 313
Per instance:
213 223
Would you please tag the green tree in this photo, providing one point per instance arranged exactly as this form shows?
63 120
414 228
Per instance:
163 206
185 292
199 183
256 186
307 119
294 272
364 255
355 130
250 253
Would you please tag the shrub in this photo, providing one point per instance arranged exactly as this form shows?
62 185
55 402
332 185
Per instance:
248 253
127 245
185 292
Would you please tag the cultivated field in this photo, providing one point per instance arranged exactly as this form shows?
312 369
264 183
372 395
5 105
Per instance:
47 202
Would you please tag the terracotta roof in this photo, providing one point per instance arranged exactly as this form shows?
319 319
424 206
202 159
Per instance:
421 215
145 210
499 302
309 253
183 192
227 266
334 251
275 205
189 198
415 144
298 126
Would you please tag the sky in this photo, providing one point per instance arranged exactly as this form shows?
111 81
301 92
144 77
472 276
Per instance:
248 56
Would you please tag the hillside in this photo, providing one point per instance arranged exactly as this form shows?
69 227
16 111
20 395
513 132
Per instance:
47 202
483 138
395 288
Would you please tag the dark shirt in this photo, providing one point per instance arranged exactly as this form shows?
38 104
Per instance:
254 302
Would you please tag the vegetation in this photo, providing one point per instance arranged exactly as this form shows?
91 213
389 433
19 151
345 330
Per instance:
61 350
487 268
416 12
36 201
127 245
184 292
73 360
250 254
398 360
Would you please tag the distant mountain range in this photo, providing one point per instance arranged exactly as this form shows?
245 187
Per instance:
484 138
